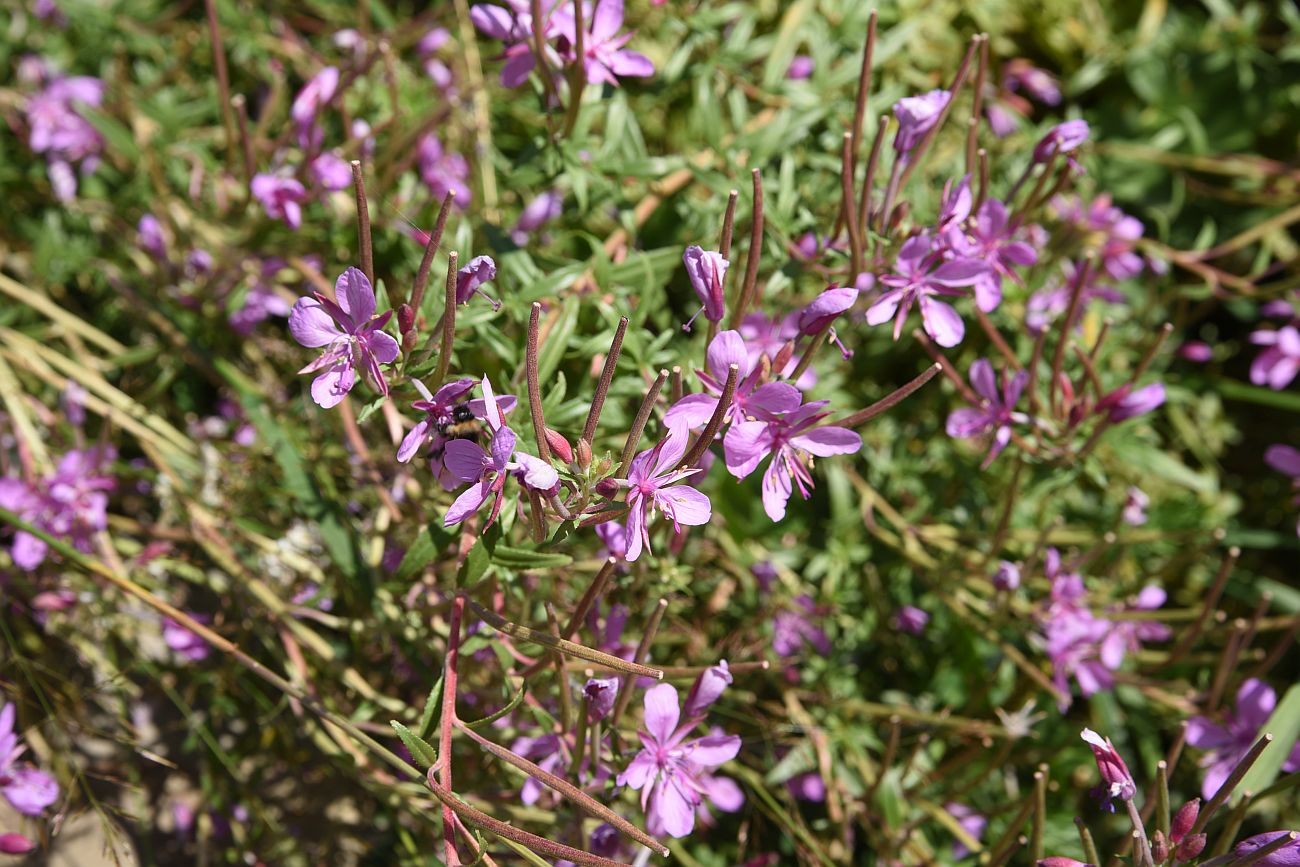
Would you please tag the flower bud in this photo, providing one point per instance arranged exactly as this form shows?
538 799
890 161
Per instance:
707 270
706 689
561 446
1114 773
1058 861
405 318
1183 820
1159 847
1007 577
15 844
607 488
1190 848
600 693
584 454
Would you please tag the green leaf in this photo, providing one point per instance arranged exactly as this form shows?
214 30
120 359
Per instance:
371 408
510 705
421 751
116 134
1284 725
431 705
527 559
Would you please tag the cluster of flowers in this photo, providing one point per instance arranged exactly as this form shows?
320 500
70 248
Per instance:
57 127
26 787
71 503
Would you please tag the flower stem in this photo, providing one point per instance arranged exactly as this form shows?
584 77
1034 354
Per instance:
534 387
363 222
869 178
606 377
1085 839
864 89
223 76
890 400
1076 294
448 722
578 77
972 130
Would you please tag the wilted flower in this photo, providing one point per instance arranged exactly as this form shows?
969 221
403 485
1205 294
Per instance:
917 115
282 197
706 689
480 270
707 271
600 693
651 483
1228 743
917 280
791 440
1114 773
1123 404
833 302
29 789
671 772
1277 365
353 335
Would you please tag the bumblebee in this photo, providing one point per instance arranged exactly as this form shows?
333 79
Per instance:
463 425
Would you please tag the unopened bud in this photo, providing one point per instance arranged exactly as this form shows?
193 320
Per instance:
405 318
1058 861
15 844
559 445
783 356
1183 820
1159 847
1190 848
408 340
706 689
607 488
600 694
584 454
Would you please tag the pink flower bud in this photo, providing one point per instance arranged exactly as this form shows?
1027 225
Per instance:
1058 861
405 318
15 844
1114 773
560 446
707 270
1184 819
1190 848
607 488
1159 847
600 693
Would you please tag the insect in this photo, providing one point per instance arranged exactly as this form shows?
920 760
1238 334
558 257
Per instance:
463 425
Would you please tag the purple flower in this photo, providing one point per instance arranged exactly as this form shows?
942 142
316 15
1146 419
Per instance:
480 270
989 239
918 281
1038 83
1286 461
801 66
318 91
792 628
808 786
971 822
331 171
281 197
750 399
613 536
917 115
353 335
600 693
1064 138
1123 404
537 213
824 309
1226 744
1007 576
764 336
443 172
186 644
997 414
1277 365
648 481
1114 773
1287 856
1114 233
470 462
57 129
1047 304
29 789
671 772
437 409
911 619
708 687
792 440
513 25
1197 351
1135 507
262 301
707 271
150 238
606 59
71 504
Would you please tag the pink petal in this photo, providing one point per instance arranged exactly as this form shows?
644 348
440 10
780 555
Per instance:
310 325
984 380
516 70
383 347
1284 459
503 447
724 793
692 411
635 530
684 505
329 389
31 790
661 712
674 809
1206 735
631 64
607 20
774 397
776 491
639 771
959 272
942 322
745 446
711 751
355 295
465 459
467 503
826 441
726 349
412 442
492 21
884 308
674 448
1255 702
538 474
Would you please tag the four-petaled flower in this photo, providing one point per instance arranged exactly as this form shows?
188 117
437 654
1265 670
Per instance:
1277 365
997 413
990 238
470 462
651 485
351 331
791 440
672 772
29 789
917 281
